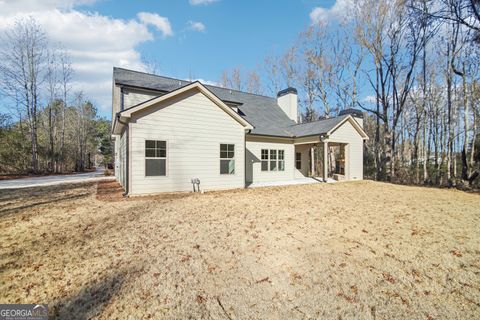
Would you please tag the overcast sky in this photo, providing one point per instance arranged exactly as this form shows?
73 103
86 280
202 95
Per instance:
186 38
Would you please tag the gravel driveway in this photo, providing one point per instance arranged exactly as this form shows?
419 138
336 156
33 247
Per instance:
53 180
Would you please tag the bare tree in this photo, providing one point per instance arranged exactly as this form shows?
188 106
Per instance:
151 64
232 79
22 64
318 73
65 77
253 83
51 108
462 12
371 21
82 122
272 70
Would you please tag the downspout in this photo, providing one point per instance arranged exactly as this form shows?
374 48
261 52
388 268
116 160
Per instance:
127 147
245 158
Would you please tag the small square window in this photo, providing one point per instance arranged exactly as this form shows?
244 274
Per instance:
273 154
264 154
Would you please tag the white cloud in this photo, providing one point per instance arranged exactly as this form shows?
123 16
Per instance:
161 23
370 99
339 11
201 2
11 7
203 81
197 26
95 42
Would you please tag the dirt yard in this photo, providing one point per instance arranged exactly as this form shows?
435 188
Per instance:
359 250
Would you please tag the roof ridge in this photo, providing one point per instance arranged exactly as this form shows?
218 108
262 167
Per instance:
252 94
208 85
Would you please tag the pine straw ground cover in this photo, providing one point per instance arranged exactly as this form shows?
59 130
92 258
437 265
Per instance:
362 250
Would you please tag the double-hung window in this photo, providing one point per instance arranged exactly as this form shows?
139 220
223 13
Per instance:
281 160
155 158
272 160
298 160
264 160
227 159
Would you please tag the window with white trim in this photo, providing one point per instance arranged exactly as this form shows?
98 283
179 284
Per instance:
155 158
281 160
264 160
298 160
227 158
272 160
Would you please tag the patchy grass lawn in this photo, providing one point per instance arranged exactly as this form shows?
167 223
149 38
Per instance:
362 250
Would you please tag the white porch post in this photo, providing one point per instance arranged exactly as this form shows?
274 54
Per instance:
312 156
325 161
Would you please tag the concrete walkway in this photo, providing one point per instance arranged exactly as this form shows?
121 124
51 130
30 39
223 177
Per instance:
55 179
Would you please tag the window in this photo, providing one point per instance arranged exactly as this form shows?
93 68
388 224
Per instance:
281 160
273 160
298 160
264 160
155 158
227 159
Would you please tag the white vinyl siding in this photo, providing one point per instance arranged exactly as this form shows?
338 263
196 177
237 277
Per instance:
254 161
134 97
194 127
346 133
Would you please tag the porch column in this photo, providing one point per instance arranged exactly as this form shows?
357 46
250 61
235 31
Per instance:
312 156
325 161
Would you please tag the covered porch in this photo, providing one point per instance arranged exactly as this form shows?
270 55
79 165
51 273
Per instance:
321 160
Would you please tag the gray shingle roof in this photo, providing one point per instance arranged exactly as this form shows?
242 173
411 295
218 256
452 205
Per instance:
315 127
261 111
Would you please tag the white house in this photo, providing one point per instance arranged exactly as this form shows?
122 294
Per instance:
169 131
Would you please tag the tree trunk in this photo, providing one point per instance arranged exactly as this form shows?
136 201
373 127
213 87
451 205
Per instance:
426 148
450 120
